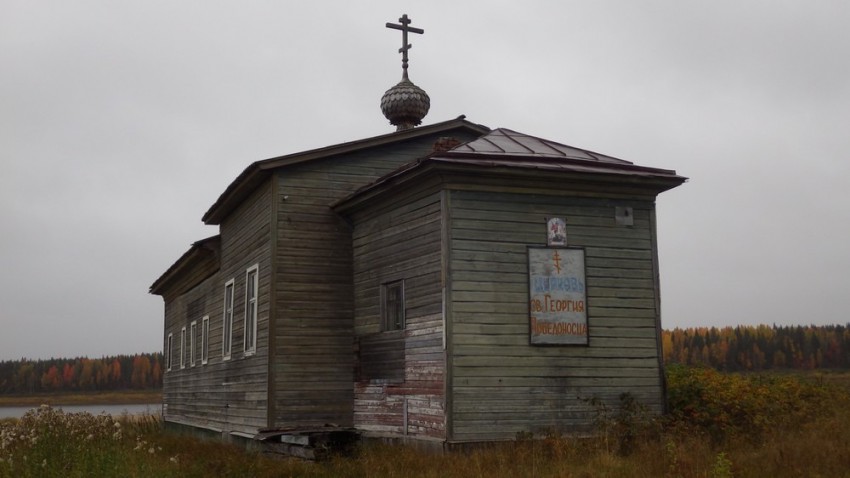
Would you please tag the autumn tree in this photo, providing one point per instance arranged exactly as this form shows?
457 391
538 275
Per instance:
141 371
759 347
82 373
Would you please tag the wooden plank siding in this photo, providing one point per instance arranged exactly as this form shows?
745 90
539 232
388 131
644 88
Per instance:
456 232
315 298
228 395
182 387
399 239
500 384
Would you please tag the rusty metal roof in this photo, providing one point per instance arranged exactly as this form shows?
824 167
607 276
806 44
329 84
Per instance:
509 152
505 142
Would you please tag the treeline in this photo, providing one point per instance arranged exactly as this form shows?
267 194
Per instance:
122 372
762 347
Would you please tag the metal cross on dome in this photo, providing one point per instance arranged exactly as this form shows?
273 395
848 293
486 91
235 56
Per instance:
404 27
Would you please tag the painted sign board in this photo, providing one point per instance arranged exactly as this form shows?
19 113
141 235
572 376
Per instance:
558 297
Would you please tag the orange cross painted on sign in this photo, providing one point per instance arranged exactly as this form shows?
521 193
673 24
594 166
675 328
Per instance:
557 259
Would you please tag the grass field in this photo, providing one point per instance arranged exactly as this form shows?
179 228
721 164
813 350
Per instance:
122 397
721 425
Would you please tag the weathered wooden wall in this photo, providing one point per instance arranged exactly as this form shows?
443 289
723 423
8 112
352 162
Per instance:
226 395
400 380
312 371
184 391
499 383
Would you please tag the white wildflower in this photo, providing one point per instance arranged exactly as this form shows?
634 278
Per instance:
44 463
173 459
150 450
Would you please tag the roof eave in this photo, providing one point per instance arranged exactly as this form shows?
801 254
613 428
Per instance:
623 166
654 180
198 252
255 173
403 175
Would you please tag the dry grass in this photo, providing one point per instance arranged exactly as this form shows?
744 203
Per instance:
812 440
122 397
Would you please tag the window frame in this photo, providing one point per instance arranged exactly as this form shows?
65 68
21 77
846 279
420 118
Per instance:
227 320
183 348
249 342
193 331
205 339
387 306
169 352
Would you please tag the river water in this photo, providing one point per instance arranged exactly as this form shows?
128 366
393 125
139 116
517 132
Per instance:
114 410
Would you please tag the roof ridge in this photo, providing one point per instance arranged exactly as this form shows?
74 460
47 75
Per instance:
499 141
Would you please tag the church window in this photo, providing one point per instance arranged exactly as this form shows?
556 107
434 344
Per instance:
251 285
227 325
183 347
169 349
205 339
193 331
393 305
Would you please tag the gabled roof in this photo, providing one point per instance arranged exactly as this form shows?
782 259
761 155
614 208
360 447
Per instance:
258 171
507 151
204 252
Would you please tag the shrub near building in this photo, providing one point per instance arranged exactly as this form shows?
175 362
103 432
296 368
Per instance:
724 405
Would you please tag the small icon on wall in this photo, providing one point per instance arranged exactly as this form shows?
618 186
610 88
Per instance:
556 232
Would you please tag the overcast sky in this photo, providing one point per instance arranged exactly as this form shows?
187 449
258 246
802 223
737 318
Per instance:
122 122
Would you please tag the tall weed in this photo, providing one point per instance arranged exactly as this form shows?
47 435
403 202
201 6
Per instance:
802 429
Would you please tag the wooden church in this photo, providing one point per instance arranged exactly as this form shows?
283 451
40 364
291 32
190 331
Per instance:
449 283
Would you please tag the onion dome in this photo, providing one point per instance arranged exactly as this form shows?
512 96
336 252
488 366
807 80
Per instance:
405 104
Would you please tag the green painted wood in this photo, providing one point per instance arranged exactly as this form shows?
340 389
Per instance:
498 378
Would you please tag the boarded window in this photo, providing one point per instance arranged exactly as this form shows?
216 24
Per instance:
381 356
195 309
